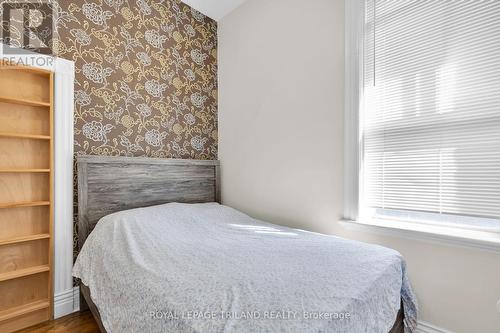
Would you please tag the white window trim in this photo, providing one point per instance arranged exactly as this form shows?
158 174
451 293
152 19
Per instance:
352 153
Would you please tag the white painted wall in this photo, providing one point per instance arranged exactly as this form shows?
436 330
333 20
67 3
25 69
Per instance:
215 9
281 68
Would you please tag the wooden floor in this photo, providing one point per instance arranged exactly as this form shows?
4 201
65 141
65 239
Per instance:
78 322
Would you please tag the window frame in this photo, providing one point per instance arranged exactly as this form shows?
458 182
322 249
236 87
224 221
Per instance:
353 154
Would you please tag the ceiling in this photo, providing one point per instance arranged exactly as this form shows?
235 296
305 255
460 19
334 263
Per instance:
215 9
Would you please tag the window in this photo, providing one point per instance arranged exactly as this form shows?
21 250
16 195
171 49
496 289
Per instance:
428 103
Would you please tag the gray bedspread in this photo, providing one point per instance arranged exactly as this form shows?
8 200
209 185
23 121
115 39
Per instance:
209 268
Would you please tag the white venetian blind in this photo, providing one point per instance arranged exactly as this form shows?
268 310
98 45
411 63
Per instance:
431 107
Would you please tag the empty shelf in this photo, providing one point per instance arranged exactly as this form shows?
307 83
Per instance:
23 309
24 272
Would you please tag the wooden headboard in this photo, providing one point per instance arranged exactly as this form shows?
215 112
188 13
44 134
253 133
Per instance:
111 184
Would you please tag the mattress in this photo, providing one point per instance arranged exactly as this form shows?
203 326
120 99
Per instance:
209 268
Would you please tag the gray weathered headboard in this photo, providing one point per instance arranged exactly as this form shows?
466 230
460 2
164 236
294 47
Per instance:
111 184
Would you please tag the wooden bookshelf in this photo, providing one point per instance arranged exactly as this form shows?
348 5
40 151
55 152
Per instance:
24 204
23 101
24 170
5 65
24 272
23 309
23 239
26 196
24 136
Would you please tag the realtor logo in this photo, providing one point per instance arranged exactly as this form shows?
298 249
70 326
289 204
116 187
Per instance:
28 25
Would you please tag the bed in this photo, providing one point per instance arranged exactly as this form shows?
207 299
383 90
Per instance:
158 253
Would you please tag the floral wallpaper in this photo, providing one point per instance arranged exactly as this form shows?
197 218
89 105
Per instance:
146 77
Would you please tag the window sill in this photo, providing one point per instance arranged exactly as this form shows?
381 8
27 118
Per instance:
469 238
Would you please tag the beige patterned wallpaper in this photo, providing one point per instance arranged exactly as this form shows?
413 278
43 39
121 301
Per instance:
146 77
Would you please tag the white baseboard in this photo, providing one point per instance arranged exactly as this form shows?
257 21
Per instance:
76 299
425 327
66 302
